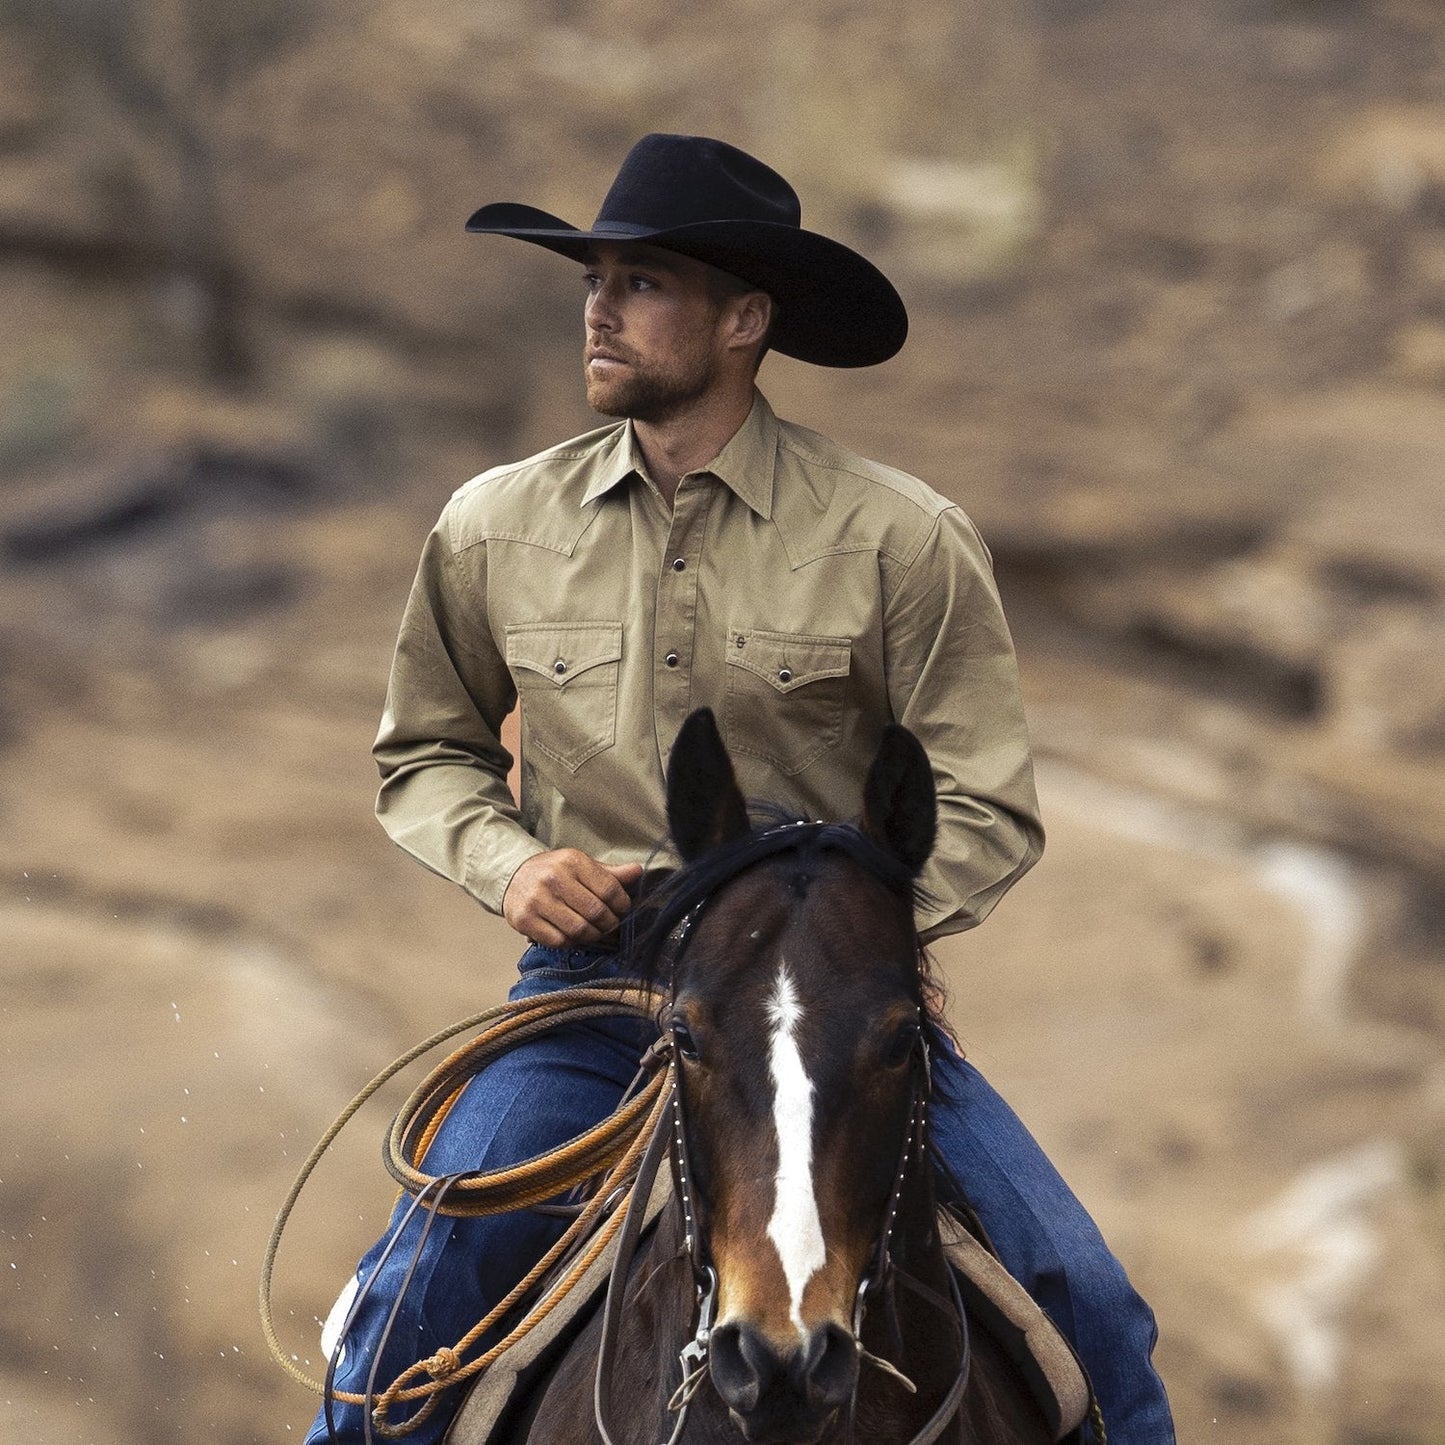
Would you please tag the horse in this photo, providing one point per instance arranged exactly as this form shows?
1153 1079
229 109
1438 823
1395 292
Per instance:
799 1265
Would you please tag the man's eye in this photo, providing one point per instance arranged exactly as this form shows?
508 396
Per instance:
641 283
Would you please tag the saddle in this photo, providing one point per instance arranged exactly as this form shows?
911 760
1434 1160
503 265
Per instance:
1000 1305
997 1303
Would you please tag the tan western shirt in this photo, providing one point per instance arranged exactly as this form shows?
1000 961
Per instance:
806 595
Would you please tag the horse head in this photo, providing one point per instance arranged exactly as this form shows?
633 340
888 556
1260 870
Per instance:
797 1015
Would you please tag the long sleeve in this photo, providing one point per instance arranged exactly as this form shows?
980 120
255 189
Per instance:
444 795
953 682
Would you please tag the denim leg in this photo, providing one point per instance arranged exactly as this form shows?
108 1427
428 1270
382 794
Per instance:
1050 1245
538 1095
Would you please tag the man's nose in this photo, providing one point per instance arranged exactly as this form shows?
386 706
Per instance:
600 313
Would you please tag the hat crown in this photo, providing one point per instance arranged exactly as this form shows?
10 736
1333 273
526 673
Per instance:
681 180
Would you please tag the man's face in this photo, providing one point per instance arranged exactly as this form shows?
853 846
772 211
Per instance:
653 343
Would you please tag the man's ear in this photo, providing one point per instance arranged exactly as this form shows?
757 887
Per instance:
900 800
752 317
705 806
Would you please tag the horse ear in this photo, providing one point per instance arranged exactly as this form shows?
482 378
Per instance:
900 803
705 806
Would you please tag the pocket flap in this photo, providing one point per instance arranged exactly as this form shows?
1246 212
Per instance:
562 651
789 660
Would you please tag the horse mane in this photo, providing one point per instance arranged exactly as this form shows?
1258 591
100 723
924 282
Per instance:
648 932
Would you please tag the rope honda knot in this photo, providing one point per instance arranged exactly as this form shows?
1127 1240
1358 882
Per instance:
444 1364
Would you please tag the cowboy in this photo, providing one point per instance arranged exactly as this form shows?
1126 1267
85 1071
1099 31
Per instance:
699 551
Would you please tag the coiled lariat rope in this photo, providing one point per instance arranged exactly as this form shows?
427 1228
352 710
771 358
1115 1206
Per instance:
610 1151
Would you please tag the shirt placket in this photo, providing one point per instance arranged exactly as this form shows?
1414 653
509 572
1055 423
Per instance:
674 622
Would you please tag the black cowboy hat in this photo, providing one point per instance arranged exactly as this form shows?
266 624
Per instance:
709 200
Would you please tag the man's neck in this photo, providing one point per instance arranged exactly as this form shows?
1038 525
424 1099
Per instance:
689 440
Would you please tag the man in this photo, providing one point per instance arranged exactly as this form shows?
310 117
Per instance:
702 552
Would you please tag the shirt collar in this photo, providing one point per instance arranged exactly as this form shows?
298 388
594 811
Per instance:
745 465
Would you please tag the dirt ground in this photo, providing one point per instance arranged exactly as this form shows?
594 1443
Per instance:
1177 277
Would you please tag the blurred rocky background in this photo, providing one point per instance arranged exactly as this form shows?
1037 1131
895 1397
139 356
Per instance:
1177 272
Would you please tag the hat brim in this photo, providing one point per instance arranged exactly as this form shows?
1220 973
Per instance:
835 307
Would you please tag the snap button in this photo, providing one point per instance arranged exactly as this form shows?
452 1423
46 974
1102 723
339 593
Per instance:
740 639
785 674
671 659
679 563
559 667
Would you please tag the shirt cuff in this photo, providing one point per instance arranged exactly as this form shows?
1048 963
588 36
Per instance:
493 860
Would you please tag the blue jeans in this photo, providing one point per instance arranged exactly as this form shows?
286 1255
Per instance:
553 1087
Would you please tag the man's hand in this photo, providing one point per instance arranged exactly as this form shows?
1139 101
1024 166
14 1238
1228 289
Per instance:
566 897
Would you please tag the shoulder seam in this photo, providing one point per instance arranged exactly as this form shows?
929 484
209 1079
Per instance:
907 564
573 450
875 472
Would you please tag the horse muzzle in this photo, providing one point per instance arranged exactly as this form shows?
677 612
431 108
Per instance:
783 1397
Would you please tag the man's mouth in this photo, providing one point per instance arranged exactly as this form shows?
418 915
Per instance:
605 358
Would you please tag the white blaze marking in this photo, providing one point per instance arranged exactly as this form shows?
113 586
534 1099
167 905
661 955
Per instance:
795 1229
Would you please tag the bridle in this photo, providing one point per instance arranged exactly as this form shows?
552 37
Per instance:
879 1281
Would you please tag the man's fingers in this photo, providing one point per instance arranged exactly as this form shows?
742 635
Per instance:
608 883
530 903
625 873
554 925
620 877
567 897
577 904
569 925
538 930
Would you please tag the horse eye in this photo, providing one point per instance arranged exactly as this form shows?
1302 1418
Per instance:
682 1037
900 1047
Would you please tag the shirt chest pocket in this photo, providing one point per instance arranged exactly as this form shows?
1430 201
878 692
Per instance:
566 675
785 695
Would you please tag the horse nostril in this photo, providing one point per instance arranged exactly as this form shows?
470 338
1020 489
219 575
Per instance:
829 1367
743 1366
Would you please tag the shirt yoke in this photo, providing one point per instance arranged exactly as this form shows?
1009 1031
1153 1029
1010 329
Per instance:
827 500
537 500
832 500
